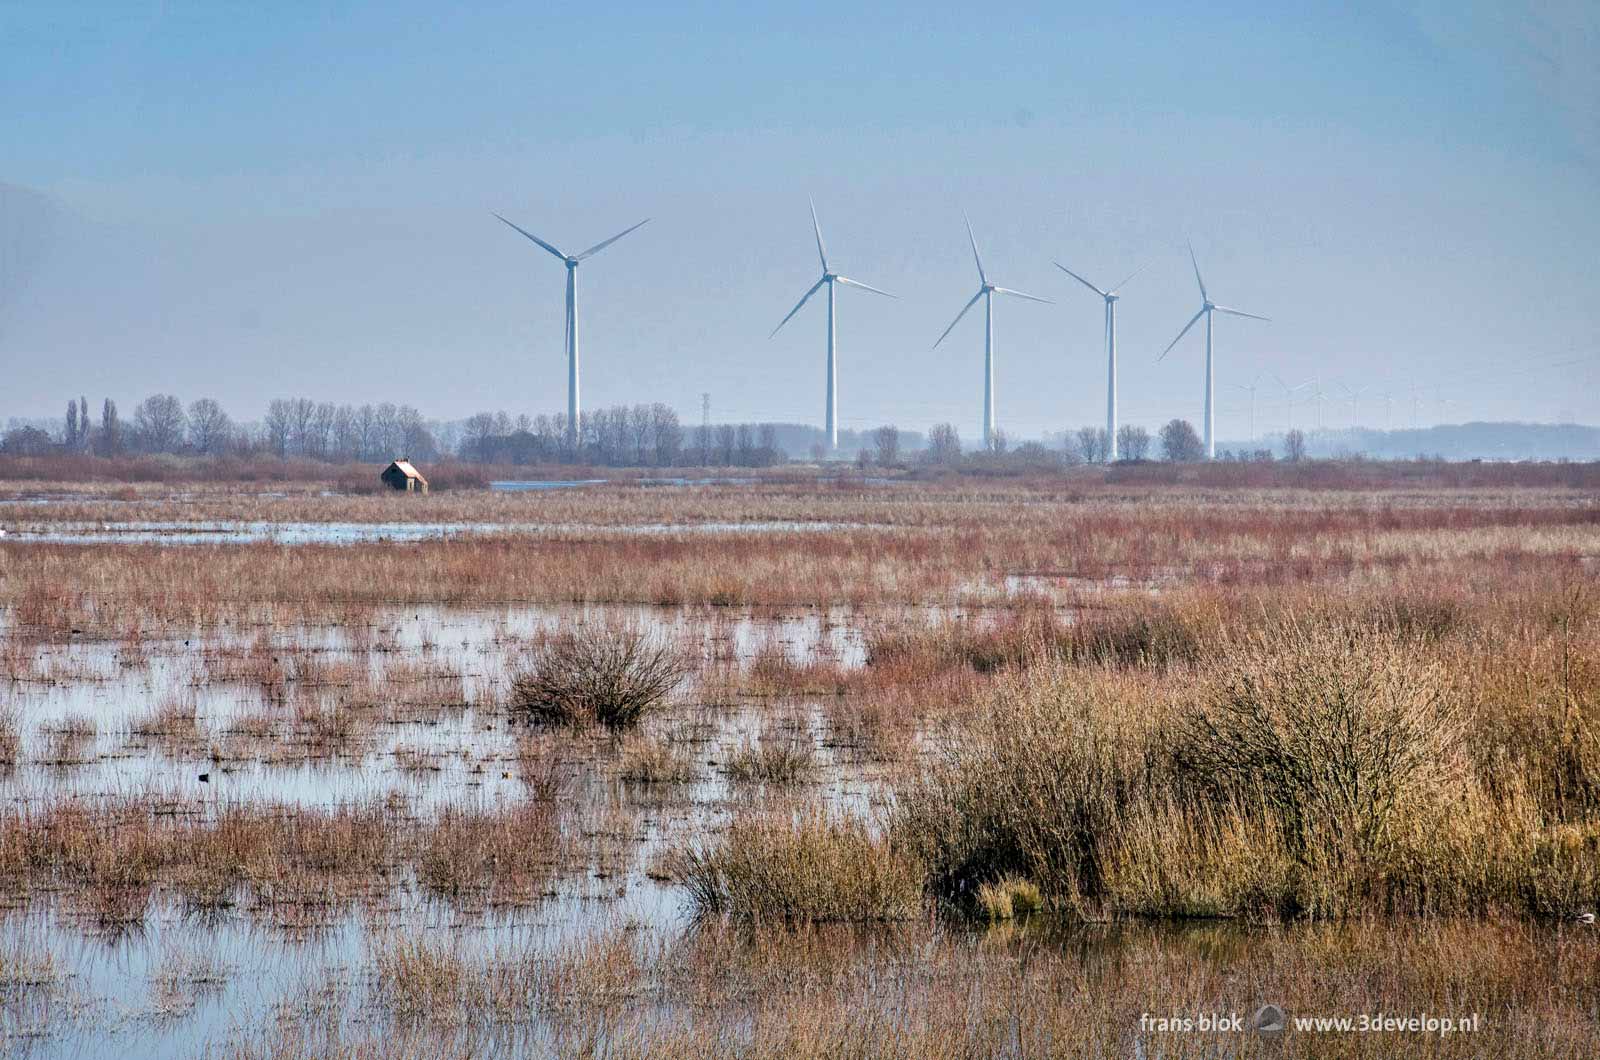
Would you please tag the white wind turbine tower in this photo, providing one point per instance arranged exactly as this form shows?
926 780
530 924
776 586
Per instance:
572 261
1110 298
829 277
1207 308
986 291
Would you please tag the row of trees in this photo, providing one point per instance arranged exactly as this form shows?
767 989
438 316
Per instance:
621 436
297 427
1178 442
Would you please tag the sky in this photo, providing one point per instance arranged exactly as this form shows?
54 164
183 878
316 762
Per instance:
247 201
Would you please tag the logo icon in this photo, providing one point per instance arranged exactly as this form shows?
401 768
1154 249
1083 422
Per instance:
1268 1019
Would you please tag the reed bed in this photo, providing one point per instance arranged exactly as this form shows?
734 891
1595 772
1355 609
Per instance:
1321 766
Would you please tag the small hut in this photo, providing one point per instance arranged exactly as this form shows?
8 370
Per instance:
400 475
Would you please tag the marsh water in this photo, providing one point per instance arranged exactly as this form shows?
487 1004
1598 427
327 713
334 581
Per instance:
91 721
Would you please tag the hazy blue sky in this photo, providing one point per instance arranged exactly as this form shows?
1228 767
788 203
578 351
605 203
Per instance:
267 200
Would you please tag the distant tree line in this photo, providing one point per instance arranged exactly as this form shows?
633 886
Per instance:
292 427
644 435
619 436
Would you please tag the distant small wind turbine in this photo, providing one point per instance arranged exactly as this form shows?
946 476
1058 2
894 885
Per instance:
1354 393
1207 308
986 291
830 278
1251 390
1288 393
572 261
1110 298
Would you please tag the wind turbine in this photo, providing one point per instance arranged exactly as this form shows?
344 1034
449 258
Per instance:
572 261
1111 351
1288 393
1207 308
986 291
1251 390
1355 402
830 278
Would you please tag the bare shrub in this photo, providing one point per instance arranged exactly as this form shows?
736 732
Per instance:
1339 730
611 677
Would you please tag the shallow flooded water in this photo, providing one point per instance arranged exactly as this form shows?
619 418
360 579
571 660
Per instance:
290 533
204 726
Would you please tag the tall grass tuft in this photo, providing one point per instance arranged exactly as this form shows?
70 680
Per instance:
10 737
610 677
810 869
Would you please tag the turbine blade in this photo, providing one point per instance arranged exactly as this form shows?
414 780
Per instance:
848 282
1130 276
536 239
1019 294
598 247
974 241
816 227
803 300
1203 296
1239 313
1181 334
959 315
1080 279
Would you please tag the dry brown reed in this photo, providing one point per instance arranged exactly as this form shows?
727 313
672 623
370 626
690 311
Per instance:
814 868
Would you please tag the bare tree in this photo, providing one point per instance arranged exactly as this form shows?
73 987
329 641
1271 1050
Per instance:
768 451
346 441
1133 443
209 427
1180 444
320 434
666 434
367 432
159 421
886 440
1094 444
944 444
640 425
416 440
386 438
1294 446
278 427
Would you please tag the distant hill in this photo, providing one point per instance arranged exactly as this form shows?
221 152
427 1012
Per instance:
1452 441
